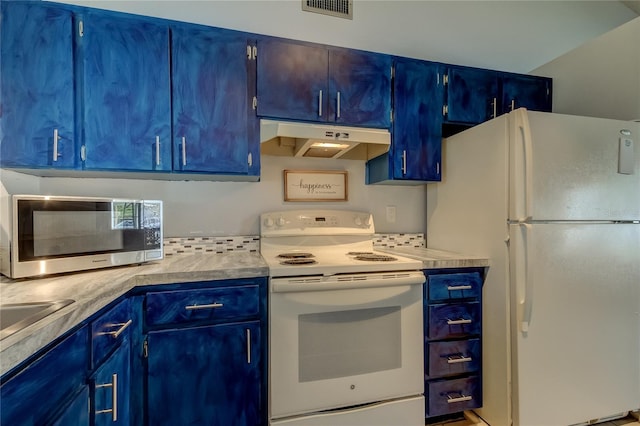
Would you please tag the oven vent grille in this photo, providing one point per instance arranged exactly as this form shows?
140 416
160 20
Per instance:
305 280
339 8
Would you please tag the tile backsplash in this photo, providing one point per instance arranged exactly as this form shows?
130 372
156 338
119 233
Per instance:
251 243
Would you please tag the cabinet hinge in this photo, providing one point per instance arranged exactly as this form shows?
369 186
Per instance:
445 109
391 115
81 28
445 79
83 153
255 102
252 52
145 349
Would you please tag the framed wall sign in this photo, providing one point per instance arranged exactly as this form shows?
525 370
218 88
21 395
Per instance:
315 185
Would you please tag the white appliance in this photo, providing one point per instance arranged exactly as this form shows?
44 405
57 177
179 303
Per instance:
345 323
554 202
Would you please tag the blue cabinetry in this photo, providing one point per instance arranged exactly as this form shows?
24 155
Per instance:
310 82
51 387
213 124
207 341
37 87
525 91
453 340
415 153
126 100
471 95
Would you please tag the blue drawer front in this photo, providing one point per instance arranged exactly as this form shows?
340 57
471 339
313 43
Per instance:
452 357
453 320
110 330
453 396
175 307
454 286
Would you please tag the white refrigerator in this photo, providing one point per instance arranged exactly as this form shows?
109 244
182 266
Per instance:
554 202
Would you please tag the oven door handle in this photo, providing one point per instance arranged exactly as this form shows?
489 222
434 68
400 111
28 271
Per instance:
344 282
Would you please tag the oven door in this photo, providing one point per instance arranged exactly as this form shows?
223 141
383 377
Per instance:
335 348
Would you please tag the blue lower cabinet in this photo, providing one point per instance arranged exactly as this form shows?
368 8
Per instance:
208 375
110 402
453 340
51 381
77 413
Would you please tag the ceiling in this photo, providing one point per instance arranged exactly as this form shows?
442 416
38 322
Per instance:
511 35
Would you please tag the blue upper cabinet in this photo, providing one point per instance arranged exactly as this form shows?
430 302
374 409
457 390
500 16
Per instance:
302 81
359 88
37 87
526 91
126 93
415 153
212 129
471 95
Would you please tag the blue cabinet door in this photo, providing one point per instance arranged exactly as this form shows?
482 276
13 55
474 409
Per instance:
205 376
472 95
525 91
211 127
37 87
126 93
292 80
415 153
76 413
359 88
110 402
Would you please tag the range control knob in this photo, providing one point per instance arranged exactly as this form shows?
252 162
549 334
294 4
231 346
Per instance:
280 221
358 221
268 222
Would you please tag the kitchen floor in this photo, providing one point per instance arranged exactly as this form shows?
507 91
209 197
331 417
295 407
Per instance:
471 420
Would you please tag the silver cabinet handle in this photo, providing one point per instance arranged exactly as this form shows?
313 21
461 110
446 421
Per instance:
209 306
495 107
458 321
114 395
459 287
248 346
513 104
462 398
320 104
459 359
184 151
404 162
157 150
338 105
123 326
55 144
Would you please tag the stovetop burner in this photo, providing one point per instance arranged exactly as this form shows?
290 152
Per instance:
375 257
298 261
295 255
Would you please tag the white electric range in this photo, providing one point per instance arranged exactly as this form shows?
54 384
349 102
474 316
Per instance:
345 323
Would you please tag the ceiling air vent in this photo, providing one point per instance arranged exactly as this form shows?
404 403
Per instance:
339 8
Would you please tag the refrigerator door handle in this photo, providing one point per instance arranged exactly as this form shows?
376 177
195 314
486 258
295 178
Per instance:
522 121
524 275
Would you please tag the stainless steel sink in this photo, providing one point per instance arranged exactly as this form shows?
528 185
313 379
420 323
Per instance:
16 316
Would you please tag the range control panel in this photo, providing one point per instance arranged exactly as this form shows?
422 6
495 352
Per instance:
316 222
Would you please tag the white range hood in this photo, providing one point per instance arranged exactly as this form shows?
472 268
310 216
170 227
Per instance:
295 139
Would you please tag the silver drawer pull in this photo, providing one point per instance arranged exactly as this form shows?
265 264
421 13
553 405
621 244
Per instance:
458 321
115 334
458 359
459 287
209 306
114 396
462 398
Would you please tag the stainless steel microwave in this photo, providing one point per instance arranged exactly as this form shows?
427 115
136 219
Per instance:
52 234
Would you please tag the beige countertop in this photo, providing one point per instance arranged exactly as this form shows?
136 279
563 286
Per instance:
94 290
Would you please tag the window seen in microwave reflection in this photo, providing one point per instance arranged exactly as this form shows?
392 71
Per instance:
125 215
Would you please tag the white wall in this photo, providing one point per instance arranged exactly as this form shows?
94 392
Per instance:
196 208
600 78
